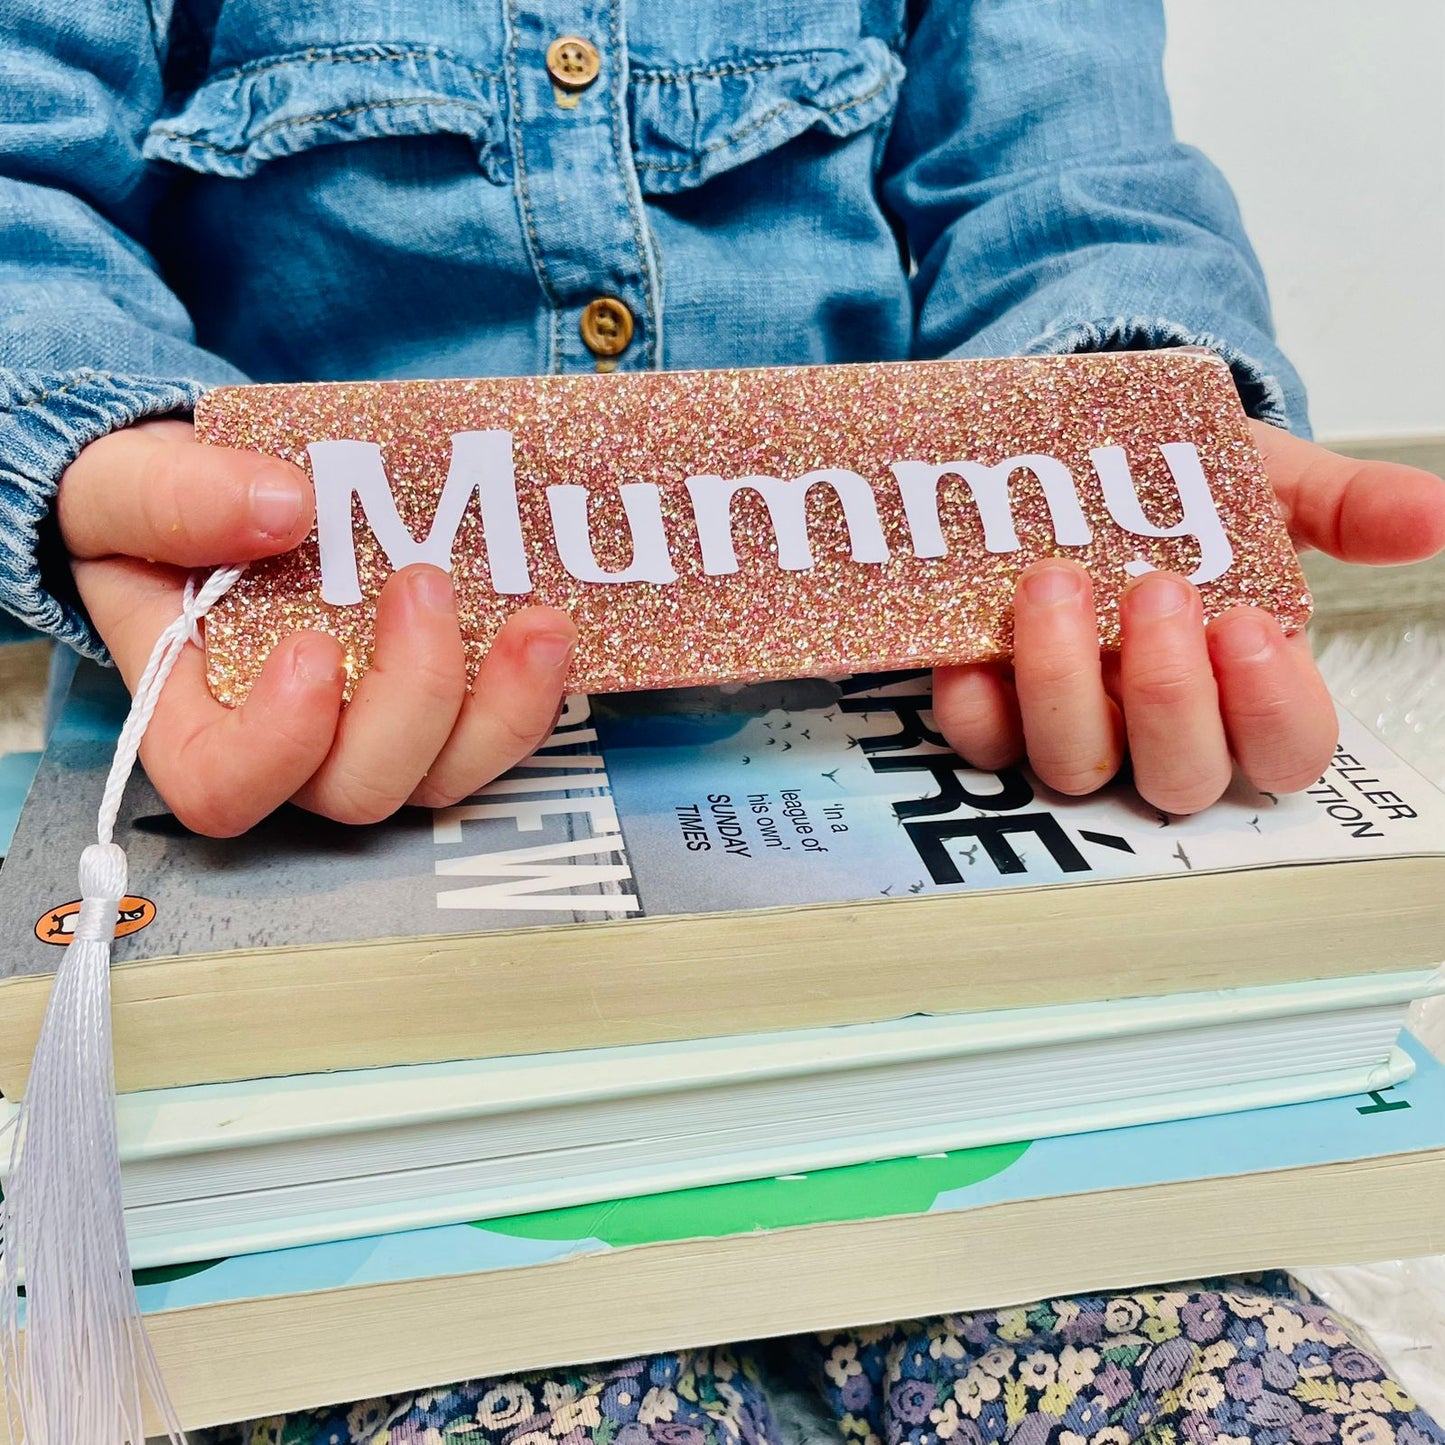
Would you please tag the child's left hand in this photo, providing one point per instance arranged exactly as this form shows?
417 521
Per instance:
1188 700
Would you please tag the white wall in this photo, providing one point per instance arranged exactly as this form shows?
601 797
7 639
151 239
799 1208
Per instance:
1328 116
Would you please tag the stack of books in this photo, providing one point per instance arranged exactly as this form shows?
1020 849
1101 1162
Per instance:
726 989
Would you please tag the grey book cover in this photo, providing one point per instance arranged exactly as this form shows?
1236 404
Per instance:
697 800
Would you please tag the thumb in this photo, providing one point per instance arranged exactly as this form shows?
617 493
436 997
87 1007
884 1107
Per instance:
153 492
1359 511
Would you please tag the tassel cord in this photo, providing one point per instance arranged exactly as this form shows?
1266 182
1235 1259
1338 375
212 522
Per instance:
86 1364
164 655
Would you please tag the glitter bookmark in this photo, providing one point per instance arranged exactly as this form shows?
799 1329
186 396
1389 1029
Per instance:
726 526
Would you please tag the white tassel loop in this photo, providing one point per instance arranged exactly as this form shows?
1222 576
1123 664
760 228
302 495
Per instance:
86 1365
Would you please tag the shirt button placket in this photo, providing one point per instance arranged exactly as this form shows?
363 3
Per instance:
581 204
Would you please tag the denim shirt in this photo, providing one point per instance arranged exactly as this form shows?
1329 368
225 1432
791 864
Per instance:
203 191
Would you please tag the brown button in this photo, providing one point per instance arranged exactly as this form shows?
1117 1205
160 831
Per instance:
573 62
606 326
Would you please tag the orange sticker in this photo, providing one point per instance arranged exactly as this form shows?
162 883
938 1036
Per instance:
57 925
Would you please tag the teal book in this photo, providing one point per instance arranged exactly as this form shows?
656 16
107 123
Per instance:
1346 1179
17 771
22 683
699 863
271 1163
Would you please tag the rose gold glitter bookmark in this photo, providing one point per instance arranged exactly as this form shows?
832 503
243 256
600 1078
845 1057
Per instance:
706 527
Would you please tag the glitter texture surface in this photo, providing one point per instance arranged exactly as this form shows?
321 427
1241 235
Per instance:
762 621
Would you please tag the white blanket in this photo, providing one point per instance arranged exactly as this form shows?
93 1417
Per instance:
1397 685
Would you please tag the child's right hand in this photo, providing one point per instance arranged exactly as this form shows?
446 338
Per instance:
141 507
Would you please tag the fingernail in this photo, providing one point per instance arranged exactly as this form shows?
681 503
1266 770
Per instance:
317 659
276 505
548 650
1244 637
1160 595
1052 585
432 588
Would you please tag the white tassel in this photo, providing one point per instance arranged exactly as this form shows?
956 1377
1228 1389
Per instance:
86 1365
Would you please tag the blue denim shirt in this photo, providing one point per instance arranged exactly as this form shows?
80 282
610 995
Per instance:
202 191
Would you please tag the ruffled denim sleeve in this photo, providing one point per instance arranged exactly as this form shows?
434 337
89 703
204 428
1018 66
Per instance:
90 337
1050 208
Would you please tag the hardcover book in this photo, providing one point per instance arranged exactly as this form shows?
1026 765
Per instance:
1349 1179
700 863
265 1164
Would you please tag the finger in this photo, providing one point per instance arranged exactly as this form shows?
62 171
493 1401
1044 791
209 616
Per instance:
149 492
1360 511
404 708
224 769
130 604
1171 704
510 710
1277 711
1072 731
220 769
977 710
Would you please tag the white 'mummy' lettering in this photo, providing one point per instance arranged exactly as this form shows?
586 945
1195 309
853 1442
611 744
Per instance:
918 482
481 463
642 502
787 503
1200 518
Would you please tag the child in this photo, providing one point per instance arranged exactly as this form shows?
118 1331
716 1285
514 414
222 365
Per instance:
199 191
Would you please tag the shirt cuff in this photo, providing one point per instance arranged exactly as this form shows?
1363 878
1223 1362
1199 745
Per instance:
45 420
1269 388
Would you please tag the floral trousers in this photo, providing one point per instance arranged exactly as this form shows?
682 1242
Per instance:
1216 1363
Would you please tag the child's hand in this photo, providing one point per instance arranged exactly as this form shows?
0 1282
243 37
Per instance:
140 507
1186 698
